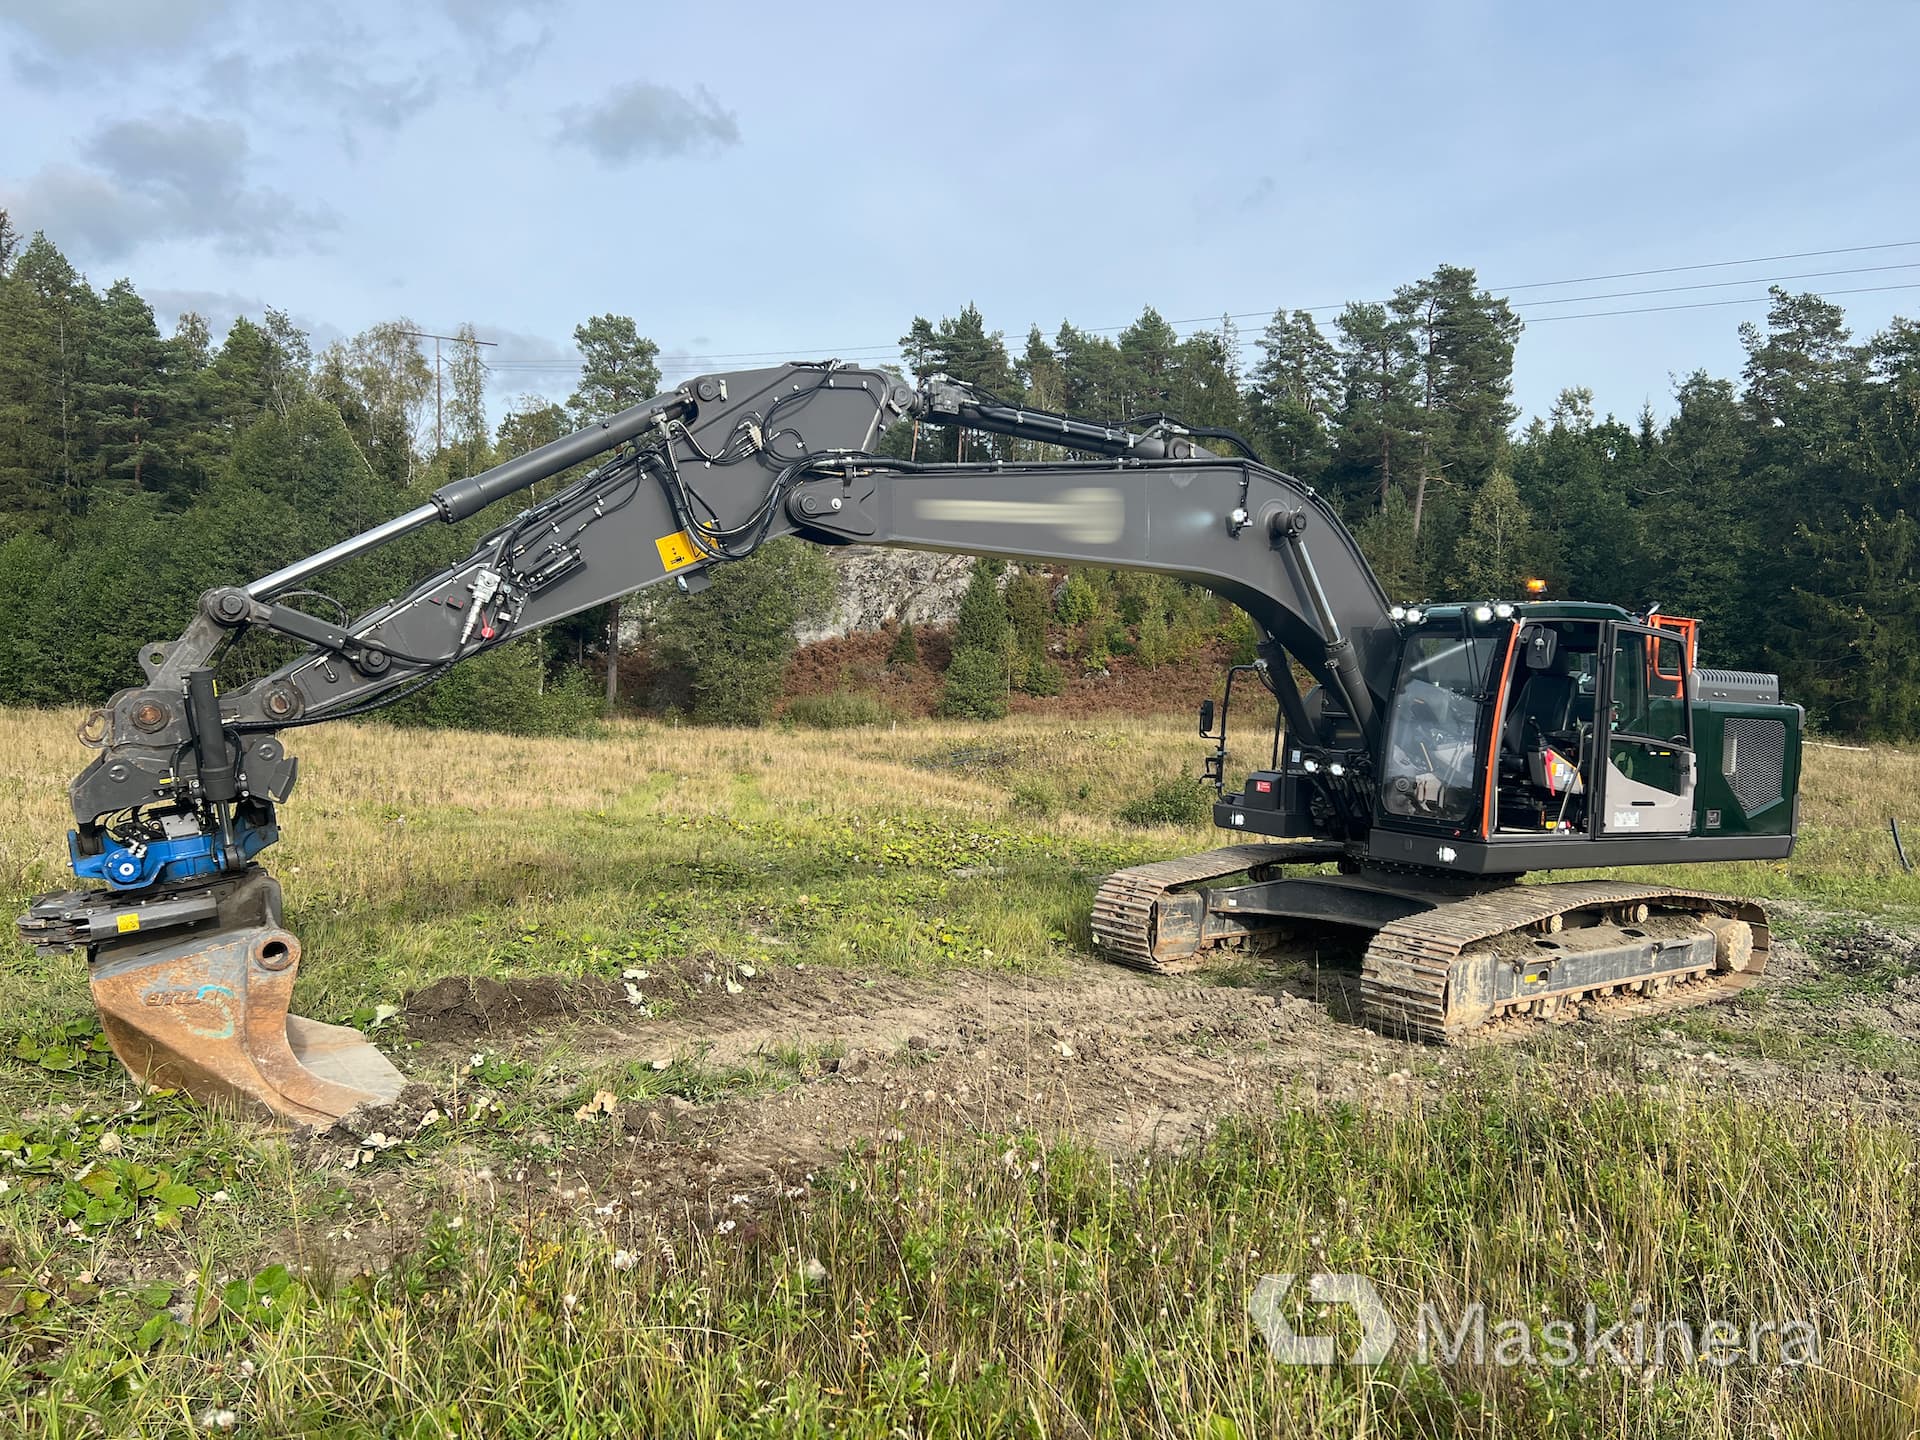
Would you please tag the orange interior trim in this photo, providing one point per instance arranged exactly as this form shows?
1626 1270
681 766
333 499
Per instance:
1493 740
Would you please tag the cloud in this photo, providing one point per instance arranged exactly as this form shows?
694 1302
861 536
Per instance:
502 37
520 348
165 177
220 308
312 78
1258 194
78 29
486 19
644 120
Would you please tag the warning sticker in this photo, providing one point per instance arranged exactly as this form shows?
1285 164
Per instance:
676 550
127 922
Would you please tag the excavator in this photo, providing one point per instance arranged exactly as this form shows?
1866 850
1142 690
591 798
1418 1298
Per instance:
1423 758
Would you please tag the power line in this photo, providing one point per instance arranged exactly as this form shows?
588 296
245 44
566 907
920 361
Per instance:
1710 304
438 439
1719 284
1717 265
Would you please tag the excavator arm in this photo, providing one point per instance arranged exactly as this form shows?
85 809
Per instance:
190 967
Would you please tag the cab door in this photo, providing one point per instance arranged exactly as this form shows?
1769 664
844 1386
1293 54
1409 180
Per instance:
1646 728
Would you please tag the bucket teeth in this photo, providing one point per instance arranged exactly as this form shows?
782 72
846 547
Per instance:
208 1015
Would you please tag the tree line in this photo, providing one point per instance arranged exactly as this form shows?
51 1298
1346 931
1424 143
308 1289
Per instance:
137 469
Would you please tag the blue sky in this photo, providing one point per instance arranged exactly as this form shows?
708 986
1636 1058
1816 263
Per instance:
752 179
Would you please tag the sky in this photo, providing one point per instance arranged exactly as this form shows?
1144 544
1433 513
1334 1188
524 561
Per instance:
755 182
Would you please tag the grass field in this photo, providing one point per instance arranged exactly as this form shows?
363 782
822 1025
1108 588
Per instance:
951 1263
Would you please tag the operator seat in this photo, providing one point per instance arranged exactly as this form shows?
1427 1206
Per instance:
1544 706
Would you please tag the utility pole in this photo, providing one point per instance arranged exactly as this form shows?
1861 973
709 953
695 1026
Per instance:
439 393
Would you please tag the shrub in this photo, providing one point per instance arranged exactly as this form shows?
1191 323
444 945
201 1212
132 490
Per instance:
906 649
841 710
1155 645
503 690
976 685
1030 797
1243 639
1183 800
1040 676
1077 601
732 640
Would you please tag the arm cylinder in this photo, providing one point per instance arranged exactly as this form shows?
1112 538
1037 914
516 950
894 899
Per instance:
461 498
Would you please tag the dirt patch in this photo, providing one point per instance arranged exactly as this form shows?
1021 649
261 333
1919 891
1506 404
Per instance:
853 1062
461 1006
1872 949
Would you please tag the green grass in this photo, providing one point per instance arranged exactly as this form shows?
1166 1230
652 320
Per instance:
975 1283
994 1285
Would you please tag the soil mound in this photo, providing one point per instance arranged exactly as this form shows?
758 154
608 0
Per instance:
472 1005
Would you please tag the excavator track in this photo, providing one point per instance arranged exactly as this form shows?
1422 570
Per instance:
1127 907
1431 976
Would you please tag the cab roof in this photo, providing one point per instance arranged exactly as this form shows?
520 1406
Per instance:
1537 610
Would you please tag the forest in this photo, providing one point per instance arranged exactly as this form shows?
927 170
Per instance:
1778 506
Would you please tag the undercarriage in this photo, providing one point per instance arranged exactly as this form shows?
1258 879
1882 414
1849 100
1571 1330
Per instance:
1448 961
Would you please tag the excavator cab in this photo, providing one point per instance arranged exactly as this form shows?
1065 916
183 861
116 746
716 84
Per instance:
1538 735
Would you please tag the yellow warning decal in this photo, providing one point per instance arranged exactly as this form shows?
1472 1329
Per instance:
676 550
128 922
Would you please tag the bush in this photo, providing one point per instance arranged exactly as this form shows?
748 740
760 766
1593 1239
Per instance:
1183 800
733 639
976 685
1243 639
906 648
502 690
1077 601
840 711
1030 797
1040 676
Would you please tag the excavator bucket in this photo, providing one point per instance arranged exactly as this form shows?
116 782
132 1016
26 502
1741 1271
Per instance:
210 1018
193 993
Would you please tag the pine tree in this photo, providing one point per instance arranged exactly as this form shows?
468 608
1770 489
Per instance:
1149 363
732 640
1463 340
127 390
961 348
1374 438
977 675
47 317
1029 601
1091 373
618 368
1295 391
905 650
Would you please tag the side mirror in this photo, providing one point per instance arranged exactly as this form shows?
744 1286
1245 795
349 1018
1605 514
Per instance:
1206 717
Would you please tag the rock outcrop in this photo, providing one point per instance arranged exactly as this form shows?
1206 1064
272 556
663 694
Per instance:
879 585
